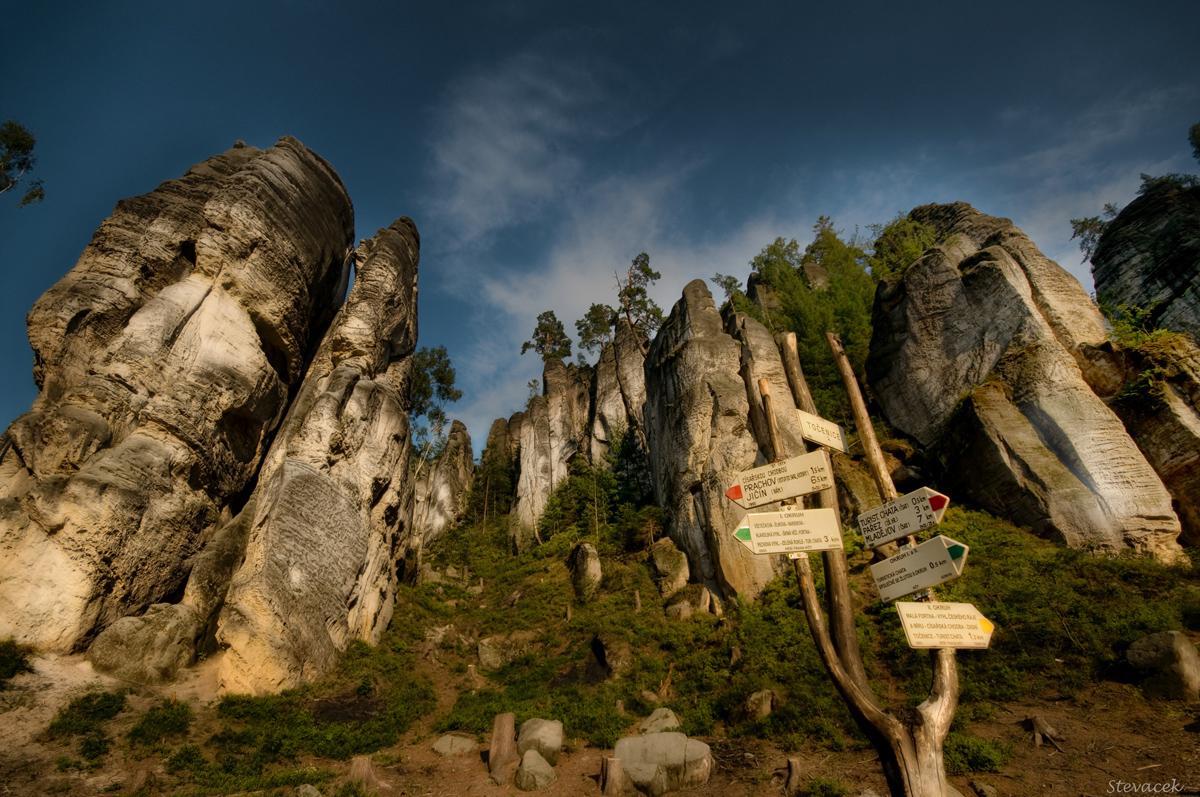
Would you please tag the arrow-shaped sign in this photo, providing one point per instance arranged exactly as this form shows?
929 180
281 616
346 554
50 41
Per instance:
927 565
787 479
790 531
822 432
944 625
908 514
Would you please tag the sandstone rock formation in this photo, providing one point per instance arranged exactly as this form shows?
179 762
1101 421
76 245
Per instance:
442 485
1149 257
658 763
618 393
552 431
330 505
164 358
975 351
699 436
1157 394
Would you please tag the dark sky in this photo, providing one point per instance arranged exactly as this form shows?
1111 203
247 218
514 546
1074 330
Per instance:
539 146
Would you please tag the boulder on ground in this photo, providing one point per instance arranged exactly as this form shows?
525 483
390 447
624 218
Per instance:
760 704
150 648
1170 663
545 736
660 721
496 651
534 772
454 744
658 763
611 657
670 566
586 573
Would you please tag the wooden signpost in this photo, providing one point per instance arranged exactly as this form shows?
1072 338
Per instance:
944 625
931 563
916 511
822 432
787 478
790 531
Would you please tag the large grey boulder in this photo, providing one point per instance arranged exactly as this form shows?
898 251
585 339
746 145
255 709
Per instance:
1170 663
535 772
544 736
700 440
1149 257
332 501
661 720
453 744
974 352
657 763
670 567
164 360
586 573
150 648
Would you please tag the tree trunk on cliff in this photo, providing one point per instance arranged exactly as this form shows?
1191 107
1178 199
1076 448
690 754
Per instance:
910 751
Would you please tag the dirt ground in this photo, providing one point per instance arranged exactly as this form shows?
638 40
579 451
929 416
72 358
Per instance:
1111 734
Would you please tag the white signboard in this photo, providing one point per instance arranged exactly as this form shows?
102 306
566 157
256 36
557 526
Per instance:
789 531
944 625
809 473
822 432
927 565
908 514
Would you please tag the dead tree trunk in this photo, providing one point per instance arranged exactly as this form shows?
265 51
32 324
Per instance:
910 749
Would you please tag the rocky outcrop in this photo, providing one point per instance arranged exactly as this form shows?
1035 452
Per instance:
975 352
552 432
441 486
1156 392
164 360
700 439
1149 257
329 508
618 393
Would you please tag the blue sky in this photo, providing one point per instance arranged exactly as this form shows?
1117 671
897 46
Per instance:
539 146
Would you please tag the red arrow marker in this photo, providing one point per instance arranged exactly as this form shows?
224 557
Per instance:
938 501
734 493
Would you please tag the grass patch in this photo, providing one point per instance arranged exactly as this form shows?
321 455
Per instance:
824 787
86 717
221 776
965 753
168 718
14 659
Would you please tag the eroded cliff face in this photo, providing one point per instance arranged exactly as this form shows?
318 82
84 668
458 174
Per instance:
165 358
976 351
1149 257
332 501
700 437
618 393
552 430
441 487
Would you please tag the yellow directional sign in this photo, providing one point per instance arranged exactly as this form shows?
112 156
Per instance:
944 625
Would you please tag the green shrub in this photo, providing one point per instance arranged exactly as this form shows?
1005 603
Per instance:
86 714
965 753
14 659
168 718
824 787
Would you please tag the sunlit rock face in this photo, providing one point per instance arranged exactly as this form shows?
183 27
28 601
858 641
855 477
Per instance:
700 437
1149 257
552 430
618 393
441 486
976 352
164 360
332 503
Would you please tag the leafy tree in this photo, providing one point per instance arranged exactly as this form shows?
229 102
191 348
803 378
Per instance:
595 329
729 284
897 246
430 388
642 313
1194 140
549 338
1089 229
16 160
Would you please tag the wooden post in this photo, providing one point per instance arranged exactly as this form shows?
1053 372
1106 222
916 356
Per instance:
910 751
637 600
837 572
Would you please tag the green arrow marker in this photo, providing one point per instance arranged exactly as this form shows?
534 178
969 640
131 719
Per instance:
743 534
956 551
